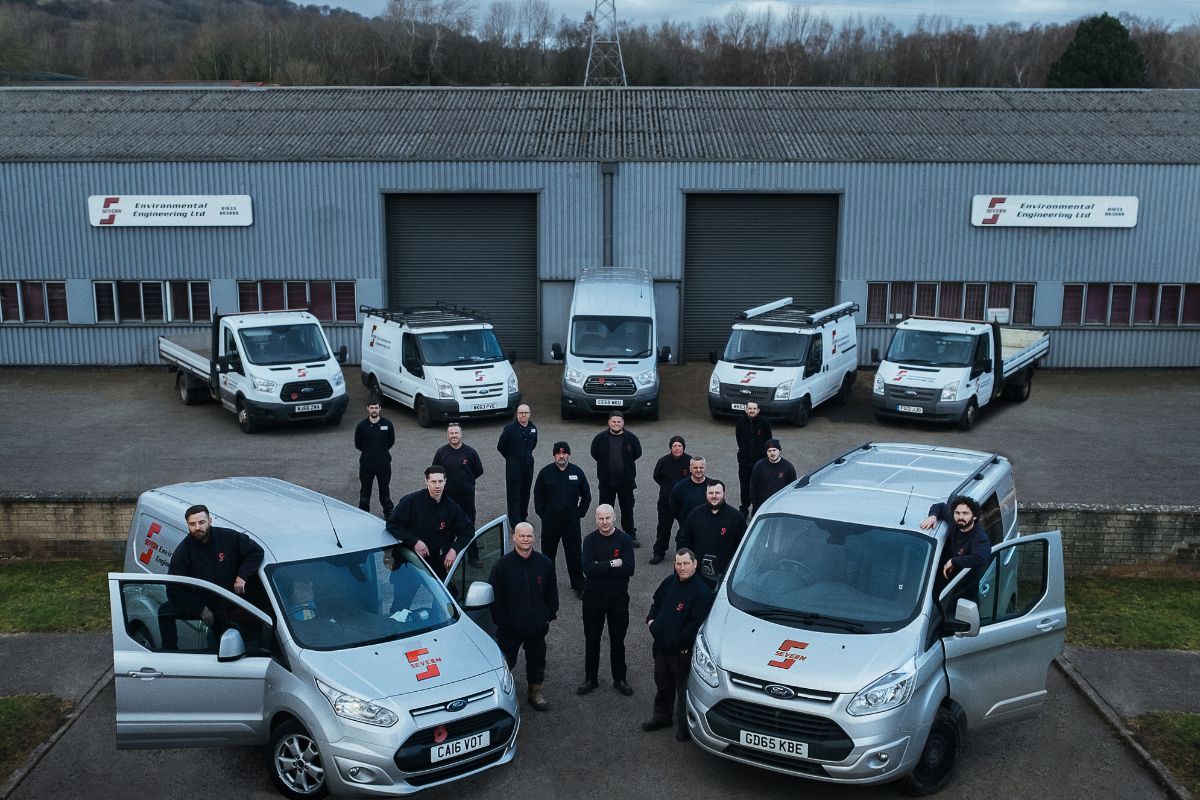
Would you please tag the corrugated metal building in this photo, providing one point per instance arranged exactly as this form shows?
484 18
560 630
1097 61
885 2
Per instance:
498 197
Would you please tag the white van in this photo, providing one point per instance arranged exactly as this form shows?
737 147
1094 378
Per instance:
787 359
829 655
612 354
350 694
442 361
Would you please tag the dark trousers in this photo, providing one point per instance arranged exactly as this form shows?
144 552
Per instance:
535 652
597 610
518 480
624 496
662 537
467 501
670 680
563 526
369 473
744 470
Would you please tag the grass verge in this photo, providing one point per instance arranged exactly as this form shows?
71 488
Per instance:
1174 739
1133 613
54 596
27 720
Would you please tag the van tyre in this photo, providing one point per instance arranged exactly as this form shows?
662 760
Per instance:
565 411
803 413
843 393
189 394
1019 392
933 769
295 762
245 421
969 415
373 388
424 416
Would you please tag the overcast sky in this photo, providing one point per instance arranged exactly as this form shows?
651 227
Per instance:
902 13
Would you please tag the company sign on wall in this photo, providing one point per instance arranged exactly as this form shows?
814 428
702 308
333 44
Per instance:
157 210
1053 211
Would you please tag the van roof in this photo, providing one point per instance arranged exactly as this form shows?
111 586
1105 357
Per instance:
613 291
437 316
971 327
260 319
290 522
794 316
881 483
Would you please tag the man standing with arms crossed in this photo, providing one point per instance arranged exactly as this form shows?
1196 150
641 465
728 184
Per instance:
517 442
561 497
373 438
615 451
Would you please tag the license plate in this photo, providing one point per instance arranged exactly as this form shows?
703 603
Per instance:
309 407
911 409
737 406
478 741
785 747
483 406
617 403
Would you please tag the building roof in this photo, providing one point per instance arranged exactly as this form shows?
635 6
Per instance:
600 124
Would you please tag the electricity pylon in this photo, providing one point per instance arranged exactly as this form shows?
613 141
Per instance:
604 65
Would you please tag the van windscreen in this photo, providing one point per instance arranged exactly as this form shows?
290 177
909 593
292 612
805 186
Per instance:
767 348
473 346
819 573
283 344
931 348
612 337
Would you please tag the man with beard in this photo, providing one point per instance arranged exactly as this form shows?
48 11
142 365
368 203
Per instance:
690 493
713 532
373 438
668 471
770 475
967 545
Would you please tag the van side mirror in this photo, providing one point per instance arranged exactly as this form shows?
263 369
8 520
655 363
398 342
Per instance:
479 595
966 619
232 646
712 357
342 353
874 355
512 356
230 363
664 354
556 351
981 366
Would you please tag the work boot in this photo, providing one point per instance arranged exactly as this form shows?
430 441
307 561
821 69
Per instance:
657 558
587 687
681 734
623 687
535 698
656 724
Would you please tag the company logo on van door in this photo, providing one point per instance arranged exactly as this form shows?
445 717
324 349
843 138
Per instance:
378 341
154 549
784 658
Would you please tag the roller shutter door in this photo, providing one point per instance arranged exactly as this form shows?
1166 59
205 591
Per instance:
743 250
476 250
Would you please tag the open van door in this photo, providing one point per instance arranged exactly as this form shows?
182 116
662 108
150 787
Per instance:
190 662
999 676
475 563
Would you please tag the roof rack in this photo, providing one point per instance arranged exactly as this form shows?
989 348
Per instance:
636 274
429 316
785 314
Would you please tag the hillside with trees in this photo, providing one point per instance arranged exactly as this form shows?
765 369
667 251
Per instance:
520 42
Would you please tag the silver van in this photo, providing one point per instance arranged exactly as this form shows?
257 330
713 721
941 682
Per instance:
827 654
354 689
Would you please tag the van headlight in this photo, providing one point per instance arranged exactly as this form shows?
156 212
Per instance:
784 391
878 388
264 385
950 392
338 379
512 383
646 378
506 680
573 377
891 691
445 390
352 708
714 384
703 664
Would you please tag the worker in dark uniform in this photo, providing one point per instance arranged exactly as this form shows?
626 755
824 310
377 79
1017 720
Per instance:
463 466
770 475
517 442
430 523
373 438
668 470
221 556
690 493
615 451
681 603
752 432
713 532
967 544
608 565
561 497
526 592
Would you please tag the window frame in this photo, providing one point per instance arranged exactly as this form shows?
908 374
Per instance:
167 298
22 318
337 313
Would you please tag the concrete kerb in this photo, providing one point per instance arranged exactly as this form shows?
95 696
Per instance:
1122 729
18 775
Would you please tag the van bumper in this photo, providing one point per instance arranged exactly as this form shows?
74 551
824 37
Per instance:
331 408
642 401
930 410
450 410
769 409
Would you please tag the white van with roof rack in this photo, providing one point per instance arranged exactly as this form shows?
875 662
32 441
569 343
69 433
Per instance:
444 362
787 359
828 655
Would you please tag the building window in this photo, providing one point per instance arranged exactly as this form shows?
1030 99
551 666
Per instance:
877 298
897 301
328 301
1124 304
975 301
127 302
950 300
33 301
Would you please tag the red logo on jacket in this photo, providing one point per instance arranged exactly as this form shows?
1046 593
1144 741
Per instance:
221 557
679 607
723 531
441 526
616 552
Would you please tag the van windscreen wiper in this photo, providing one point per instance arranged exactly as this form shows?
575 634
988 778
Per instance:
810 617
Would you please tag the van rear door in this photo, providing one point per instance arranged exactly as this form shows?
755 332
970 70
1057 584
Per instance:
475 563
999 676
172 691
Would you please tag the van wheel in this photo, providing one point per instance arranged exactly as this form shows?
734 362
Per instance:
424 417
245 421
843 394
334 421
565 411
1019 392
652 414
373 388
932 772
969 415
296 767
187 395
803 413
